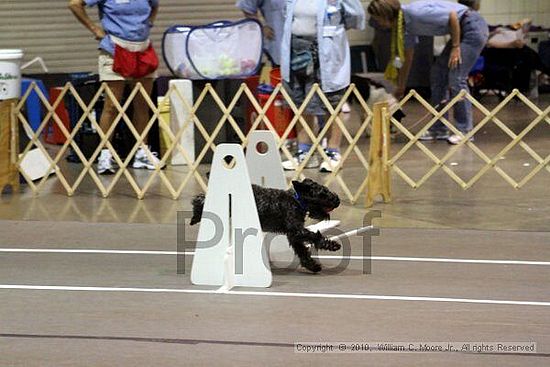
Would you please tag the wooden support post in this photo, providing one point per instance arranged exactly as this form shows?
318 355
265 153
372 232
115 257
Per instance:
379 171
8 146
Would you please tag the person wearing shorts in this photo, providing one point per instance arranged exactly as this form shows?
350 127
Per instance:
315 49
124 23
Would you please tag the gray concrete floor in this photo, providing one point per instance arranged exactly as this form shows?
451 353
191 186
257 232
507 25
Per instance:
145 326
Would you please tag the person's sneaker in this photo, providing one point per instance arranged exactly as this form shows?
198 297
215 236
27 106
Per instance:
455 139
334 161
141 160
346 108
105 164
298 158
437 135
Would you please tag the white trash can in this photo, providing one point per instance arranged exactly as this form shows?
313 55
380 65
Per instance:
10 73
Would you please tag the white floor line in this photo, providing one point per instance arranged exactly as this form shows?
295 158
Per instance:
274 294
327 257
89 251
442 260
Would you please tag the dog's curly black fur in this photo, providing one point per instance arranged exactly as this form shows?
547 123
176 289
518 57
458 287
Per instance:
284 212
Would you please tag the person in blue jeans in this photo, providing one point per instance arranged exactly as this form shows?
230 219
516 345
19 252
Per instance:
273 15
469 33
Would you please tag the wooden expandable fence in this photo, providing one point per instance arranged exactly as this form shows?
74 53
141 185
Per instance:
490 163
8 142
377 167
226 119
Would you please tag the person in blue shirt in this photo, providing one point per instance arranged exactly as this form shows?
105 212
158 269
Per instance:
272 12
126 23
469 33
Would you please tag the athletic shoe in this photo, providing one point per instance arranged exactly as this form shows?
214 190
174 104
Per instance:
298 158
334 161
141 160
346 108
438 135
105 164
455 139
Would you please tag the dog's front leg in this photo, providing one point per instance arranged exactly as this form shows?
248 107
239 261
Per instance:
319 241
303 253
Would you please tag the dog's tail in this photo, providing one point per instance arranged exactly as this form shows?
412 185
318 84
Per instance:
198 205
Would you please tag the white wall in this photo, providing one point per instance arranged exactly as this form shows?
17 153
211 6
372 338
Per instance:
510 11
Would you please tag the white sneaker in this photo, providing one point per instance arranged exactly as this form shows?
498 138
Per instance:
298 158
141 160
346 108
438 135
105 164
335 158
455 139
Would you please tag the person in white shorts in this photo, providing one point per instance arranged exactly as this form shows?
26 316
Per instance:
127 24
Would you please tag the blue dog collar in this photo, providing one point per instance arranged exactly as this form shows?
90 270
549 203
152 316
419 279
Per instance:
298 198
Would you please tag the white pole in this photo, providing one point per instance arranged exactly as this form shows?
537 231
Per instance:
351 233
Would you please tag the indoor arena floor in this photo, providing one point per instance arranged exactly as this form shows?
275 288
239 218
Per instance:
87 281
104 309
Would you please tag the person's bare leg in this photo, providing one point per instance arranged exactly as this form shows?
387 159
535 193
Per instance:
141 107
333 146
108 115
140 120
336 134
304 141
303 137
109 109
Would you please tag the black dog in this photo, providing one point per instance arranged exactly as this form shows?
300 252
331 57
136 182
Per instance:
284 212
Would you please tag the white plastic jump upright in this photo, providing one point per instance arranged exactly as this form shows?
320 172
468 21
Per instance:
230 249
266 170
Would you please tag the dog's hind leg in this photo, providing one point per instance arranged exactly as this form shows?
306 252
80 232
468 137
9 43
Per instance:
303 254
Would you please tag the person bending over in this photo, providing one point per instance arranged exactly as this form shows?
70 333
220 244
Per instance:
468 31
